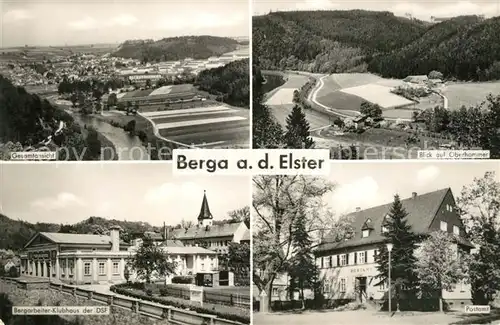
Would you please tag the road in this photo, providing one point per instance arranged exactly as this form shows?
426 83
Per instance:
213 126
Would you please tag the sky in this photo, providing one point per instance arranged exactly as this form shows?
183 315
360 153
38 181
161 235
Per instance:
77 22
421 9
367 185
69 193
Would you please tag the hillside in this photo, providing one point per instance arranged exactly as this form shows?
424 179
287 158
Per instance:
26 120
15 233
229 83
176 48
465 48
328 41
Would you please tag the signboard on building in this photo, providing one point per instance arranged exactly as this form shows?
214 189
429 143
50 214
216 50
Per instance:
40 255
196 294
362 270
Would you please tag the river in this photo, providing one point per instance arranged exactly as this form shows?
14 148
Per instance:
128 147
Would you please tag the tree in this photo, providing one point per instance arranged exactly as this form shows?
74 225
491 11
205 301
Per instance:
370 110
277 201
438 265
302 269
297 134
399 233
151 260
148 83
479 207
74 99
93 145
112 100
435 75
237 260
296 96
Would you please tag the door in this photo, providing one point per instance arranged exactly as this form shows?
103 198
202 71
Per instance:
362 288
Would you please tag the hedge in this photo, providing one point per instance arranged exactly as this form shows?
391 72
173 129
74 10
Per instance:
122 289
183 279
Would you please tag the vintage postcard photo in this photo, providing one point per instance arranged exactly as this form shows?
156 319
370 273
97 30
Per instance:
377 79
122 80
122 244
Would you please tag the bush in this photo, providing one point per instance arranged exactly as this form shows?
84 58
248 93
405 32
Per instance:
142 135
183 279
121 289
13 272
149 292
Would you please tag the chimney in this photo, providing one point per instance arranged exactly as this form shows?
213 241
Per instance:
414 195
114 233
358 209
164 231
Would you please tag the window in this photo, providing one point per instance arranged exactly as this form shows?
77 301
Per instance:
365 233
385 229
381 287
203 266
326 286
343 259
343 285
63 267
86 269
328 262
444 226
102 268
116 268
275 292
361 257
71 266
456 230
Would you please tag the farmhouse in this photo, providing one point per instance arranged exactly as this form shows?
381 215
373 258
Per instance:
348 267
420 80
83 259
214 236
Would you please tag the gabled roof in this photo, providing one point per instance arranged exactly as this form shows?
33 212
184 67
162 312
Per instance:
205 210
63 238
421 211
200 232
246 235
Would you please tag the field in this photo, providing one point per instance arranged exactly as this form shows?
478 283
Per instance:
187 90
38 53
273 81
469 94
203 126
378 94
284 94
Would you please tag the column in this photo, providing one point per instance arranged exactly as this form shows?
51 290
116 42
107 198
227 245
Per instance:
195 264
94 270
79 270
58 271
66 268
110 269
38 268
45 269
185 264
33 268
122 269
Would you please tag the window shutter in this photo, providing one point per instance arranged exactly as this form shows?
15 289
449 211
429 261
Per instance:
338 260
355 258
322 262
366 257
331 260
347 259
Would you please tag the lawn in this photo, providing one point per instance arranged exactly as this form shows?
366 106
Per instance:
469 94
348 80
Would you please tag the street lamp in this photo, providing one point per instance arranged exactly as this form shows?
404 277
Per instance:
389 249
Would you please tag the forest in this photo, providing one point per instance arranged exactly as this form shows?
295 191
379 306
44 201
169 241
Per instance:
26 120
176 48
229 83
464 48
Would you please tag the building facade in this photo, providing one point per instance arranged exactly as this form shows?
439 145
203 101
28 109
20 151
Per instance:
215 237
91 259
348 268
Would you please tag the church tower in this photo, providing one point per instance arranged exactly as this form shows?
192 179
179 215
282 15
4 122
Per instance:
205 217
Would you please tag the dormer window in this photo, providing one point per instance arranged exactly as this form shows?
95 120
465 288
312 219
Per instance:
367 227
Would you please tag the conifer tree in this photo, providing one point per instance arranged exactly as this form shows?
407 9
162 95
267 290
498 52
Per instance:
303 270
298 130
403 262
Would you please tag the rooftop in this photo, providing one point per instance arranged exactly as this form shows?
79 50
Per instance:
421 211
223 230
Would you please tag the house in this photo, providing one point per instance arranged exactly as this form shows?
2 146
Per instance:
213 236
7 266
91 259
348 268
420 80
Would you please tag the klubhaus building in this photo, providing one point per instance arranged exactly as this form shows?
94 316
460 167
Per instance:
348 268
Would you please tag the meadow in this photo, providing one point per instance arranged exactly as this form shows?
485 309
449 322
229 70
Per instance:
469 94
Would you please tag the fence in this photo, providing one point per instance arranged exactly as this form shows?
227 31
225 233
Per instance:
223 298
146 308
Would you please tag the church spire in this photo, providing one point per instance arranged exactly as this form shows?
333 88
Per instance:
205 210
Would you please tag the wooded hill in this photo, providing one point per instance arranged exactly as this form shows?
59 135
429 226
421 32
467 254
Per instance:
230 83
176 48
379 42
